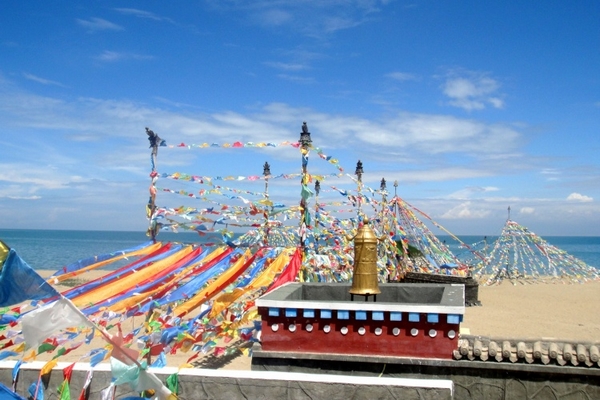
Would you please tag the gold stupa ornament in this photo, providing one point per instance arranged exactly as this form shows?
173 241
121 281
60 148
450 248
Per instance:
365 278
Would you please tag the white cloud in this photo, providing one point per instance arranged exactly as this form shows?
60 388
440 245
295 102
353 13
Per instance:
468 192
31 175
275 17
113 56
579 197
336 23
43 81
312 18
527 210
419 138
401 76
550 171
436 134
99 24
287 66
142 14
296 78
474 91
24 197
551 174
465 210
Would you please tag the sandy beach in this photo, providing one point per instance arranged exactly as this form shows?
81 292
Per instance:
525 311
542 310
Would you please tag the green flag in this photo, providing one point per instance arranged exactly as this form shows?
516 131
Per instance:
173 383
64 391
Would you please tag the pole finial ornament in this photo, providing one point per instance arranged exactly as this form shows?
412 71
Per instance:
305 139
359 169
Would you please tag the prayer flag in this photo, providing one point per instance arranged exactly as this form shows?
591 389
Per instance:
173 383
64 391
36 390
47 368
19 282
86 385
6 393
41 323
291 271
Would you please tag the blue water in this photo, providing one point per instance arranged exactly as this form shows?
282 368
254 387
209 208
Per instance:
585 248
53 249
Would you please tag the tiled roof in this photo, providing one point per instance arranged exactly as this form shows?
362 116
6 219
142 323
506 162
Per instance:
543 351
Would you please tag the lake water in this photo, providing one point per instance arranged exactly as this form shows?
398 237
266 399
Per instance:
53 249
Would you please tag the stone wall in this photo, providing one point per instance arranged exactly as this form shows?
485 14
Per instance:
203 384
473 379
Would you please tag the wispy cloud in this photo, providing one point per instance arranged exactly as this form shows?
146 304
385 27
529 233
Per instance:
299 60
24 197
114 56
472 90
438 134
310 17
99 24
142 14
424 136
551 174
297 78
275 17
287 66
33 177
338 23
43 81
107 136
401 76
116 127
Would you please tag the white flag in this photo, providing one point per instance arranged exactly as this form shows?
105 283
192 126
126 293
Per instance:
40 324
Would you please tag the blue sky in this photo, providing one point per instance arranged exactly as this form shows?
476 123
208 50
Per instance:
471 106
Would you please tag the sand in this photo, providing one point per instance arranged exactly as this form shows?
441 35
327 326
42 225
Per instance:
541 310
567 312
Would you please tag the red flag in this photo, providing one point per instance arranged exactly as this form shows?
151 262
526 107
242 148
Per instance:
291 271
84 390
68 371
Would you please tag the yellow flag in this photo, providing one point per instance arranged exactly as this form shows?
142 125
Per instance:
4 249
48 366
20 348
31 356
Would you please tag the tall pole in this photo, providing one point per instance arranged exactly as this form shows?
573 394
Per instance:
304 142
317 191
395 198
358 172
384 227
266 174
155 141
397 223
383 191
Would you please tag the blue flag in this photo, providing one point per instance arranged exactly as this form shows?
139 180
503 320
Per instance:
19 282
